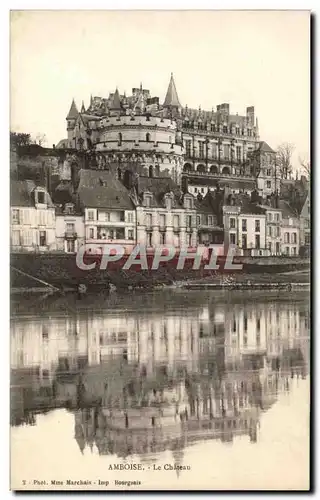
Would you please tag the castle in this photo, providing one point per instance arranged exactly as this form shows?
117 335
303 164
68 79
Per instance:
210 148
134 170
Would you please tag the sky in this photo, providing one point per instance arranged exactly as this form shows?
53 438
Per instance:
259 58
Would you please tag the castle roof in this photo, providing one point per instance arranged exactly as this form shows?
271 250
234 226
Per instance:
73 112
172 98
115 103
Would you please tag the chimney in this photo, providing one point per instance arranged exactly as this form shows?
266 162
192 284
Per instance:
128 179
250 115
223 109
185 185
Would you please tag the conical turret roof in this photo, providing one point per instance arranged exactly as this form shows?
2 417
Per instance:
73 112
172 98
83 109
115 103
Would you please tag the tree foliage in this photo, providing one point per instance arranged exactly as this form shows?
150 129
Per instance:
19 139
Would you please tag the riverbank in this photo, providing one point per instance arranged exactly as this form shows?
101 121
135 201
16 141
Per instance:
48 273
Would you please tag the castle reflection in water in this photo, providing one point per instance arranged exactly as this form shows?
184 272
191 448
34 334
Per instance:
145 381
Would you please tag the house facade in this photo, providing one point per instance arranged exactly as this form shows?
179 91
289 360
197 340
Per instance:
109 213
245 225
32 218
273 229
70 229
290 230
305 237
165 216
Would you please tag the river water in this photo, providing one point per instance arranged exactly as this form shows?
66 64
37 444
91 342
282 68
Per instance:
184 390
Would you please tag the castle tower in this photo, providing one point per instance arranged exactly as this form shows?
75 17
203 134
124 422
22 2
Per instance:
115 104
71 122
172 100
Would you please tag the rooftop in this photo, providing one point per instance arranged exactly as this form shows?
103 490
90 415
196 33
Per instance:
100 189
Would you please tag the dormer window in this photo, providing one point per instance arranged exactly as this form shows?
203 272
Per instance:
225 129
188 202
213 127
69 208
168 201
147 200
40 197
148 137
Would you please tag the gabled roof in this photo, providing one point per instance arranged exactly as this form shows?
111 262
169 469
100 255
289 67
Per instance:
232 183
246 205
172 98
73 112
22 194
63 193
265 148
100 189
210 203
159 187
287 210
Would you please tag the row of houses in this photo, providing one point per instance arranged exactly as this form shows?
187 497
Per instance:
102 208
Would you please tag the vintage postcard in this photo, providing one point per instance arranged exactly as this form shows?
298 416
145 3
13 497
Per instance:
160 250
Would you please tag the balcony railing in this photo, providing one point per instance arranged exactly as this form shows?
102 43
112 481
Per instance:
218 133
223 161
194 173
70 235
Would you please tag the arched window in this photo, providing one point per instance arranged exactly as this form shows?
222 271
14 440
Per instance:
151 171
187 167
213 169
225 171
201 169
147 137
120 138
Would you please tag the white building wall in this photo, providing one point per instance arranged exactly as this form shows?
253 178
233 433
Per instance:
25 235
290 237
62 222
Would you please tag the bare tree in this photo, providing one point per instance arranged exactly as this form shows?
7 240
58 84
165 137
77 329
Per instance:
305 167
284 154
40 139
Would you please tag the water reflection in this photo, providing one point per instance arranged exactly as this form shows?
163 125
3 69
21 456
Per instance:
143 381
